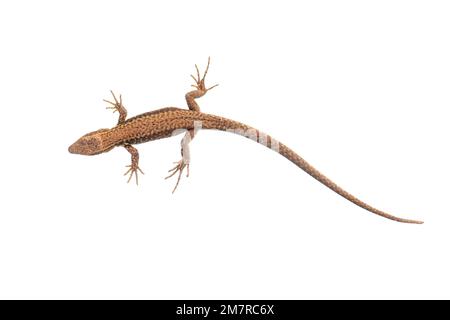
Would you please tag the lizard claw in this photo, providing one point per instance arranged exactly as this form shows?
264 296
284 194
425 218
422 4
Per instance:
179 167
133 169
200 82
116 105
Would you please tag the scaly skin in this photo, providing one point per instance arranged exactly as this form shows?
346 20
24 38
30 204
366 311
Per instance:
167 122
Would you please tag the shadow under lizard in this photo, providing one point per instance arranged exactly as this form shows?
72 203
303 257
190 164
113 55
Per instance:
163 123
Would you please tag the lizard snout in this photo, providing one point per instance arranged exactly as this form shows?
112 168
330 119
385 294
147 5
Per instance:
88 144
72 148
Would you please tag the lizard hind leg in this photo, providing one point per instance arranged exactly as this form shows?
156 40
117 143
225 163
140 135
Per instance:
200 88
185 159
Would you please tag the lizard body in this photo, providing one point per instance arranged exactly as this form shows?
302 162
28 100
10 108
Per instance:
166 122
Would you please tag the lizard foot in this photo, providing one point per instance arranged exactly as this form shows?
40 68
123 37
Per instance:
116 105
133 169
179 167
200 82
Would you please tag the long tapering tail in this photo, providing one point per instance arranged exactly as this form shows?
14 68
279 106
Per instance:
316 174
256 135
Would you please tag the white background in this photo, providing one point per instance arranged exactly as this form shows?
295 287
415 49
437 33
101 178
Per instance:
358 88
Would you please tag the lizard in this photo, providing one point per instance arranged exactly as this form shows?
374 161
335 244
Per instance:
166 122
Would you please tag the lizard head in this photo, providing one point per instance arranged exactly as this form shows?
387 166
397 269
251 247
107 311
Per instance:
89 144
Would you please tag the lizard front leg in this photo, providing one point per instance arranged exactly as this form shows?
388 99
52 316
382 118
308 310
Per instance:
134 166
118 106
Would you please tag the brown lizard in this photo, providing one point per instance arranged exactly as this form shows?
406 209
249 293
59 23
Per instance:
167 122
